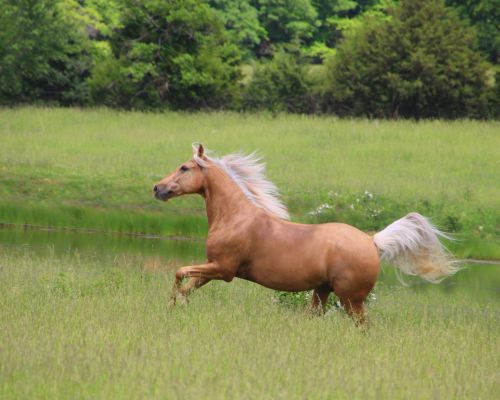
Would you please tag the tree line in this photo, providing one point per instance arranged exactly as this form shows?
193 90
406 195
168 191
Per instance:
376 58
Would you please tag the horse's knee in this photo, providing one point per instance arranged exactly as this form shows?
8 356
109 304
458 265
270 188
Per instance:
179 275
224 273
227 277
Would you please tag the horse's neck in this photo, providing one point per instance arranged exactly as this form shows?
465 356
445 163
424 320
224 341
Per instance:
223 198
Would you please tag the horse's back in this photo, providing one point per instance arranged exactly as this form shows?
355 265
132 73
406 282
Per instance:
348 239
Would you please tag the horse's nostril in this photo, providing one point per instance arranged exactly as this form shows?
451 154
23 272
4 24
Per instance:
155 189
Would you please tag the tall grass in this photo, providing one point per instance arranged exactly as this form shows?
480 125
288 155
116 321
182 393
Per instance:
95 168
98 327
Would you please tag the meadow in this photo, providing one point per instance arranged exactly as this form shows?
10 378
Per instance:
95 169
85 315
97 327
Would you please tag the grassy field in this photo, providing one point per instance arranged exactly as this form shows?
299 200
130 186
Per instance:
85 316
95 169
78 326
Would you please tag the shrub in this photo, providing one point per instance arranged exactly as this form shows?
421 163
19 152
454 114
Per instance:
421 63
281 84
241 21
483 15
43 52
168 53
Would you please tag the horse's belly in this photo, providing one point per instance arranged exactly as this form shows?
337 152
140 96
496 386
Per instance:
285 272
330 252
278 283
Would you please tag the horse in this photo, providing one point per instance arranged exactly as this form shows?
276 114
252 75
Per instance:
250 237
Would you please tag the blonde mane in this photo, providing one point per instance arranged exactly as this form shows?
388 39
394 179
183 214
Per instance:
248 172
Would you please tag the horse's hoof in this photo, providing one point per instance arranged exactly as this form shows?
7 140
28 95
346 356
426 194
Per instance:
178 299
182 300
171 303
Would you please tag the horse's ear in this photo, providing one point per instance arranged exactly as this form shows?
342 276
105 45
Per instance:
201 151
198 150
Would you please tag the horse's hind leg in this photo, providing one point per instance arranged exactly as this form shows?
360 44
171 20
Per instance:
354 308
320 298
352 299
352 291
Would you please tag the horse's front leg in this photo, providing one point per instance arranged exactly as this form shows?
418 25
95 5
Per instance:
199 274
193 283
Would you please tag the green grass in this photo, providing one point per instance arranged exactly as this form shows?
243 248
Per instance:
96 168
80 326
94 323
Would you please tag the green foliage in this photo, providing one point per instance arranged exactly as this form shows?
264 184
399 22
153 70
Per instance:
372 213
281 84
288 21
318 52
188 54
366 211
43 52
302 300
104 16
484 15
420 64
338 17
241 22
172 54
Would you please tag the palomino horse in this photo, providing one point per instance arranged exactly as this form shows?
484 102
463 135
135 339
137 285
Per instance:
249 237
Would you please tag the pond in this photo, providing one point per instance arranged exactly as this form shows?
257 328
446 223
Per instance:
475 279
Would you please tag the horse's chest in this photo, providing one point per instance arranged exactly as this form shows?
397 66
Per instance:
226 247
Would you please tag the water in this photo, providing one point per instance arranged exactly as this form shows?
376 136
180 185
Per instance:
474 279
53 242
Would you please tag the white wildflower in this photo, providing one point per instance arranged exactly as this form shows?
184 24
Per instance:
320 209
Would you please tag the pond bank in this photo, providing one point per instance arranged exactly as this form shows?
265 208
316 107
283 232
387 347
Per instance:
459 249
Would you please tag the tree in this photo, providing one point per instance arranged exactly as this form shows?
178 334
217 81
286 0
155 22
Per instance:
279 85
241 20
103 16
421 63
288 20
337 16
484 15
168 53
43 52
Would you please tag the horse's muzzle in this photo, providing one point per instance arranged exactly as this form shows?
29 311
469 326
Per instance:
162 193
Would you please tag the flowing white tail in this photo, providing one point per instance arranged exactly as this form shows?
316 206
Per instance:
412 245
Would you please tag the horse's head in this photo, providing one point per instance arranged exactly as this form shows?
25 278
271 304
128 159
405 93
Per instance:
188 178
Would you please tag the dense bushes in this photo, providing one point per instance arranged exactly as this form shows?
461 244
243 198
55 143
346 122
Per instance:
282 84
419 60
44 52
421 64
173 54
484 16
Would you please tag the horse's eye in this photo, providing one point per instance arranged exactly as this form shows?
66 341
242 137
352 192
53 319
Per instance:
184 168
